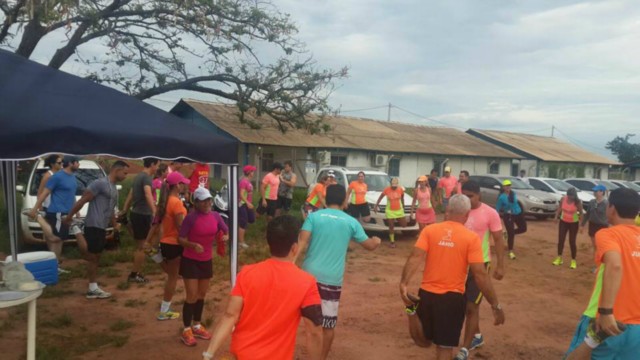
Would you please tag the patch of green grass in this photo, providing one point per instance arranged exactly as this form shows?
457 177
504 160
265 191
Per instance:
51 352
55 292
58 322
133 303
123 285
151 268
121 255
110 272
121 325
75 272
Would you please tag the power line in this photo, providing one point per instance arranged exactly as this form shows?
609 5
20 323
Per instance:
365 109
578 142
422 117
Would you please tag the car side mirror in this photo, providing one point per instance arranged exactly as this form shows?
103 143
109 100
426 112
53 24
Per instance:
118 187
497 187
20 189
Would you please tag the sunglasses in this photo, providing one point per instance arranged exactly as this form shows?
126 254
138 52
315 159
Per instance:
58 162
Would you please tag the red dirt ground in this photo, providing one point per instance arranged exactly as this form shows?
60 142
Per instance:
542 304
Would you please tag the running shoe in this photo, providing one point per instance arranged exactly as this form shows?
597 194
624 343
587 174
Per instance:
200 332
476 342
138 278
463 354
558 261
188 338
168 315
97 294
62 271
512 255
573 265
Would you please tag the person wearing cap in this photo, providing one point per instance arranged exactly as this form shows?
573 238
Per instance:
394 210
62 187
511 212
102 196
356 201
246 214
197 234
425 214
269 192
143 209
170 215
596 215
446 185
568 218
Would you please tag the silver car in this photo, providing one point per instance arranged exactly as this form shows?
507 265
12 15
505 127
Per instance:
533 202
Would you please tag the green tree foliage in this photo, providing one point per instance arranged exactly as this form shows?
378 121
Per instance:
244 51
623 149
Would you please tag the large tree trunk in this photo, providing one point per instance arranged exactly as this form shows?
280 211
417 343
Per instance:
63 54
33 32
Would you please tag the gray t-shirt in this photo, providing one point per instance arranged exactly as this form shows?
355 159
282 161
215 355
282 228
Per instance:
140 205
101 208
597 213
285 190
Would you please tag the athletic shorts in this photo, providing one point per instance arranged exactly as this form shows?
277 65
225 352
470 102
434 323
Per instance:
270 210
442 316
194 269
593 228
394 214
96 239
55 221
246 216
141 224
330 302
170 251
472 291
622 347
425 216
284 203
359 210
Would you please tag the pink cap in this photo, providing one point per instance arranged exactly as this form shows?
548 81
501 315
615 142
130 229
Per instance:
176 178
248 168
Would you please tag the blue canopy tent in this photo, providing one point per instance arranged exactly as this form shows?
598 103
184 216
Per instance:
44 110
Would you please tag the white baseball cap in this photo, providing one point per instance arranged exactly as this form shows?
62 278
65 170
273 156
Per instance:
202 194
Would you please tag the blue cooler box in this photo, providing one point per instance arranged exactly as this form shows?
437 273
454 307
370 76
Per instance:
42 264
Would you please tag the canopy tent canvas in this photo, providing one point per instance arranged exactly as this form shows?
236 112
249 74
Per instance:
44 110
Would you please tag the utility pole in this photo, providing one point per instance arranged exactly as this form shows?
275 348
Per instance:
553 127
389 113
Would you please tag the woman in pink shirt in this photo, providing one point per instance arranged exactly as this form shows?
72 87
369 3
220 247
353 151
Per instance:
197 234
425 214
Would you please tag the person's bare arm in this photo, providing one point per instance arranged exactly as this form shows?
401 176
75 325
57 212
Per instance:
413 202
322 200
292 182
86 197
225 325
498 241
127 203
184 242
375 208
345 204
303 242
610 285
263 190
559 210
314 339
38 205
148 196
410 268
484 283
43 183
371 243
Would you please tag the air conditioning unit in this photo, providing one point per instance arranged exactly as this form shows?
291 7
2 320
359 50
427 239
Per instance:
380 160
323 157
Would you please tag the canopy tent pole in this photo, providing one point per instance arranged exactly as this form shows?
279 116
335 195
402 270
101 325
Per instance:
232 176
8 177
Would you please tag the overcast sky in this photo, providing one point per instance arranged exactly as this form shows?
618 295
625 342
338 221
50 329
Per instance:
506 65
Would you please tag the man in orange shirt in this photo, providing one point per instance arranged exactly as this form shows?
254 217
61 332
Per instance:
615 333
268 301
447 250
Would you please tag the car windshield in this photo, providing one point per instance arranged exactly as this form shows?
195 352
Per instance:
84 177
516 183
632 186
375 182
609 185
559 184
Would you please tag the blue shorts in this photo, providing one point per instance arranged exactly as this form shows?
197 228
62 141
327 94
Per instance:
622 347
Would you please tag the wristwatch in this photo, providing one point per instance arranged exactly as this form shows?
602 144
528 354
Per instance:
497 307
207 355
605 311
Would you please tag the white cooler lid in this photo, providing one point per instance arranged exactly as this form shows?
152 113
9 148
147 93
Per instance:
33 256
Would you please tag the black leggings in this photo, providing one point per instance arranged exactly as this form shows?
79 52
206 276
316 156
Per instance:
509 221
572 228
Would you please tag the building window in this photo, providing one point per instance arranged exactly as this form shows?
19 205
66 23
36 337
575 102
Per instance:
494 167
338 160
394 167
267 162
437 164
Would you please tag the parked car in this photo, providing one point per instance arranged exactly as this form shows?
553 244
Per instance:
86 174
376 181
533 202
557 187
587 185
626 184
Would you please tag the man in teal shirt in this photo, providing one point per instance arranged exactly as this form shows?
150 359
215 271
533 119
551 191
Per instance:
327 232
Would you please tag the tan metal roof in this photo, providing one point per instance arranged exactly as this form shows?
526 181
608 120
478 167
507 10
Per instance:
353 133
544 148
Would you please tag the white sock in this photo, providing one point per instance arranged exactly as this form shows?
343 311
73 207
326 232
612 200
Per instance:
196 326
164 307
478 335
93 286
